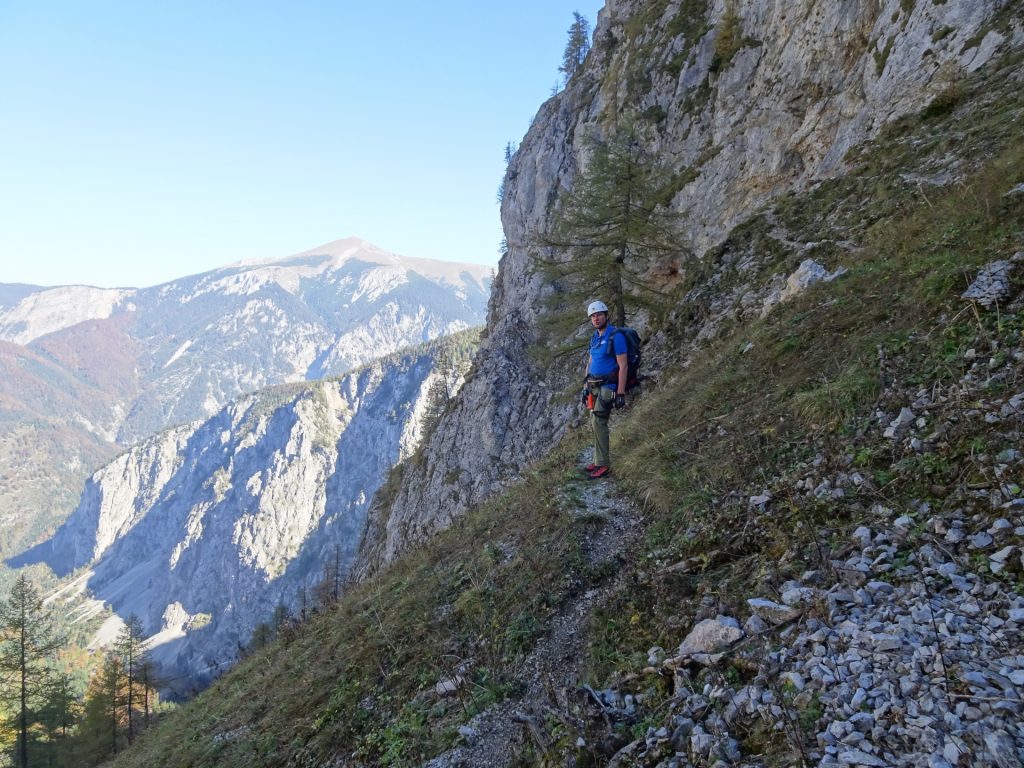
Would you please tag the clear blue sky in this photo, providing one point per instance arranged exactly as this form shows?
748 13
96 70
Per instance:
143 141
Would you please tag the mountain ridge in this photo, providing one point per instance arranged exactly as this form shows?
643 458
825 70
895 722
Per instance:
22 300
177 352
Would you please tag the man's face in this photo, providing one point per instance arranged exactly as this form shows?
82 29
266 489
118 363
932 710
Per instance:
599 320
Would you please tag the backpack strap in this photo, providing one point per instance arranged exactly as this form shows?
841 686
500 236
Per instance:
612 333
613 377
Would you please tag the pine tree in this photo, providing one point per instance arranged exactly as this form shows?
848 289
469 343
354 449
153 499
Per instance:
130 648
28 645
510 151
608 233
576 47
59 716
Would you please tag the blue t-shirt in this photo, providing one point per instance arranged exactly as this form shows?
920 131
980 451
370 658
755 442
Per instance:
602 359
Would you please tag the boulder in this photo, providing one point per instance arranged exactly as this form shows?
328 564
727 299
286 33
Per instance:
711 636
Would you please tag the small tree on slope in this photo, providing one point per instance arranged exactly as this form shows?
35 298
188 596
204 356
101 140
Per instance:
130 647
28 645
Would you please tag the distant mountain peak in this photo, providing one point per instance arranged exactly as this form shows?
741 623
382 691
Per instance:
335 254
29 312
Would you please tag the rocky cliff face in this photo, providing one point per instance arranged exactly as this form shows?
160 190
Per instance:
745 100
204 529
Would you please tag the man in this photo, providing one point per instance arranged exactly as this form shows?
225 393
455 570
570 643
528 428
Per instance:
607 369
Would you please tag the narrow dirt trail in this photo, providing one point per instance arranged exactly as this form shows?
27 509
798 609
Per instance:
610 527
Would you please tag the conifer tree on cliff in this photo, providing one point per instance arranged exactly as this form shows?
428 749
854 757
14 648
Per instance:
576 47
28 644
608 232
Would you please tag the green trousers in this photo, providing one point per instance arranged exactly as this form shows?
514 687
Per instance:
604 397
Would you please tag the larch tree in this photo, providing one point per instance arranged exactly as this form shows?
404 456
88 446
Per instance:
335 574
149 679
262 636
97 737
607 234
28 647
60 704
111 677
435 404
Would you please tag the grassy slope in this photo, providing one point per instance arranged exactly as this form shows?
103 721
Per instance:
354 683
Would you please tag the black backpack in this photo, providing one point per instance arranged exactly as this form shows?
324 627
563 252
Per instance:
634 356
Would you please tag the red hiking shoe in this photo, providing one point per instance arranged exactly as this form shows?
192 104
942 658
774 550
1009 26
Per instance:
599 472
590 468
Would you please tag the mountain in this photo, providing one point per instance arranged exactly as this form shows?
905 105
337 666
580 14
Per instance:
206 338
91 370
316 314
204 529
809 549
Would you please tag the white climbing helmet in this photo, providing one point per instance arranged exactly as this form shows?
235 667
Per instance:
596 306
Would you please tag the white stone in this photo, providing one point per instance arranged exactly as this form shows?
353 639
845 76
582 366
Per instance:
1002 749
807 274
797 596
884 642
772 612
1002 525
755 625
448 686
856 757
711 636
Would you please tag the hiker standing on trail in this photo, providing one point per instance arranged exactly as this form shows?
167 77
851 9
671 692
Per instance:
605 383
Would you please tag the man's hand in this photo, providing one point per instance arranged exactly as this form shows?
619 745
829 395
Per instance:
584 395
620 401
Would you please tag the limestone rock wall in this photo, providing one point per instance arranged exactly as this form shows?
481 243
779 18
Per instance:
204 529
745 99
